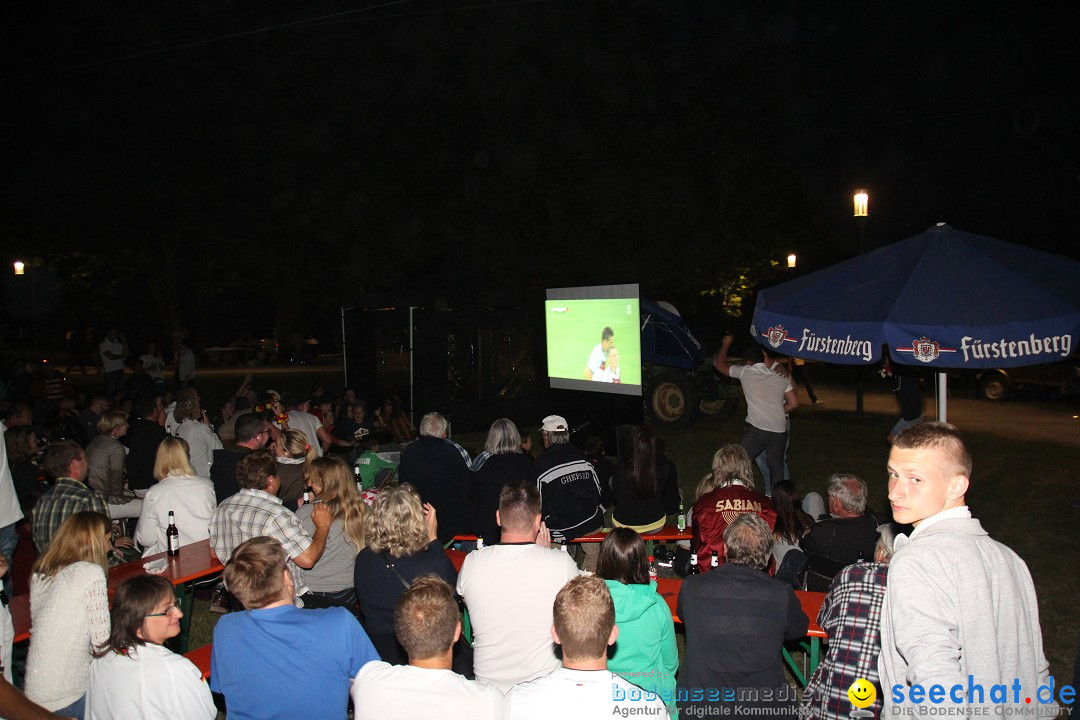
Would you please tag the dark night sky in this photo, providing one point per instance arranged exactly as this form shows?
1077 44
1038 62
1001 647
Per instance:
481 152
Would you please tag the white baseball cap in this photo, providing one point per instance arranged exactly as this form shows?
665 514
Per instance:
554 423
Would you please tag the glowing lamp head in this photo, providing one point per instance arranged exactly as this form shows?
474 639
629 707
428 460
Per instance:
20 267
862 204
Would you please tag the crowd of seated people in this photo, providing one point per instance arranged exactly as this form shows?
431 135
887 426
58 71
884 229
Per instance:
359 590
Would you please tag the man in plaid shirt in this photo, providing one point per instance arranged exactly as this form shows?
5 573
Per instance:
851 615
256 510
66 461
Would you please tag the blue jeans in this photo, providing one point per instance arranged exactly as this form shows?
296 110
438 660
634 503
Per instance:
764 467
75 710
757 441
9 538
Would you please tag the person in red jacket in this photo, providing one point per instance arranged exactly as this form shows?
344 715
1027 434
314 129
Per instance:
723 495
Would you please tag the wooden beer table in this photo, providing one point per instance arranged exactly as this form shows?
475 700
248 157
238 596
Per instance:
195 562
811 605
668 588
668 533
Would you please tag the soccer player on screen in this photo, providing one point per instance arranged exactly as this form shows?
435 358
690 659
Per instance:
610 372
598 357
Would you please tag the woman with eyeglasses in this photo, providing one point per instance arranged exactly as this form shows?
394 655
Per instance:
134 675
69 613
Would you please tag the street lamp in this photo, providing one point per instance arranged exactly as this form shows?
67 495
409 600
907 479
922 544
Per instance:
791 260
20 269
862 211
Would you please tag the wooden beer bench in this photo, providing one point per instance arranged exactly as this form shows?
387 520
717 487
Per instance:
668 588
195 562
200 658
668 533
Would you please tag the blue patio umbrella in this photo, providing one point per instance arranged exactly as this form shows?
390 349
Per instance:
941 299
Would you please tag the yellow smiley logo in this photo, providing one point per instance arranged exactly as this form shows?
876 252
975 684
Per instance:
862 693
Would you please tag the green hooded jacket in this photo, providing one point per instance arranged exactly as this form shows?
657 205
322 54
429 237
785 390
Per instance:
645 652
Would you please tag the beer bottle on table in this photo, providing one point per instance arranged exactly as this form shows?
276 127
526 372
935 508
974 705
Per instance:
172 536
715 560
681 521
309 493
652 569
694 568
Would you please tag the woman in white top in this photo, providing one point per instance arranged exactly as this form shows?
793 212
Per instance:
194 426
69 612
134 676
179 490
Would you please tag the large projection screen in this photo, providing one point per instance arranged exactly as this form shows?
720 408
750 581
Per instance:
579 357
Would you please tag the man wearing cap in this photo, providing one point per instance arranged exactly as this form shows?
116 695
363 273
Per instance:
569 489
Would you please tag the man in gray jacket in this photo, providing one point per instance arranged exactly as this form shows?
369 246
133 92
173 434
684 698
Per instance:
960 623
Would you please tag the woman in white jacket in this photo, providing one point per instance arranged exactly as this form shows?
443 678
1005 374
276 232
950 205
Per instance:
69 613
180 491
134 675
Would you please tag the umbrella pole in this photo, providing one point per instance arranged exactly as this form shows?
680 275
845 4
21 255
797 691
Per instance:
859 390
942 387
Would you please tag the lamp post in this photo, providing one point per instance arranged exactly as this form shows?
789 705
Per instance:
20 269
791 260
862 211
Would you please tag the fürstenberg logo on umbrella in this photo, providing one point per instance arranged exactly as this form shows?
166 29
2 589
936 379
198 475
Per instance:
926 350
827 345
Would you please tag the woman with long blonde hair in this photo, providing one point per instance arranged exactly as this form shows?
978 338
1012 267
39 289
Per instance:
69 610
331 578
178 490
724 494
294 456
402 546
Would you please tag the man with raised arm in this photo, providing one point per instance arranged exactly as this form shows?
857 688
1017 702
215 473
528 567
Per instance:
769 398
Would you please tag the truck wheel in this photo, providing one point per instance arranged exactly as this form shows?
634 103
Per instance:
995 386
672 400
722 408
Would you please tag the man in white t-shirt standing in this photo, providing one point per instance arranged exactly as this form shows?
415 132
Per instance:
427 623
598 356
112 352
509 589
300 419
584 625
769 398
